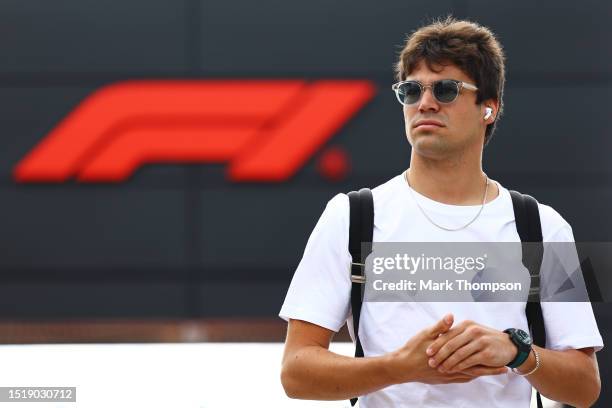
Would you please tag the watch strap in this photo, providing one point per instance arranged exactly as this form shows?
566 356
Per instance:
522 355
520 358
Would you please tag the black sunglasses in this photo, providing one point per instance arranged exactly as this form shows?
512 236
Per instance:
444 90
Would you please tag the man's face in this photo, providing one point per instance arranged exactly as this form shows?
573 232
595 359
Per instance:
462 124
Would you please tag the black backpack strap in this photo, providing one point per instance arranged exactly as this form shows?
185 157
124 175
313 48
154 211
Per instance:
529 228
361 230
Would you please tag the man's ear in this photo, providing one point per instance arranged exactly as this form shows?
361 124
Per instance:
494 105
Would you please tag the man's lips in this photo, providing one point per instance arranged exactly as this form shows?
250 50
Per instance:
427 123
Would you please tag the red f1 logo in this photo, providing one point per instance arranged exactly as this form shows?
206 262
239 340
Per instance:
265 129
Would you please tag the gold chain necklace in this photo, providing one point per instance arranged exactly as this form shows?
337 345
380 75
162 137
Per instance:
484 198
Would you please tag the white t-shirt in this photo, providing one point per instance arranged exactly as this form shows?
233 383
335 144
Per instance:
320 292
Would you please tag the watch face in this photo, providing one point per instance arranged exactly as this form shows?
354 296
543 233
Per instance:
523 337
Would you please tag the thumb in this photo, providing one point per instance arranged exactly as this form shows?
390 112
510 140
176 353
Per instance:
442 325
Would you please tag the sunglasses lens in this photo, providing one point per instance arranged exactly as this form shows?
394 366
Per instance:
446 91
409 93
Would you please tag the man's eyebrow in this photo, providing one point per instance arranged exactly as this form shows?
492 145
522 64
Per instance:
434 80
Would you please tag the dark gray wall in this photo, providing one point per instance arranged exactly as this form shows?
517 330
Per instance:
174 222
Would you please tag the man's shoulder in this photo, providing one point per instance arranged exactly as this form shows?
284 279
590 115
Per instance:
340 202
551 220
388 188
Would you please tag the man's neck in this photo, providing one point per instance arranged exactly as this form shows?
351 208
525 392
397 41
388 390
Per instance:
450 183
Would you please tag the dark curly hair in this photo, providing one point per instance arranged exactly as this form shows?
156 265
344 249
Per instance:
468 45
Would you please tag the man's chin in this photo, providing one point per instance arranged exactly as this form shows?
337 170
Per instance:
427 134
430 145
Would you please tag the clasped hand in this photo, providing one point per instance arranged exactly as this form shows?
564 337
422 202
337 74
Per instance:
443 354
470 344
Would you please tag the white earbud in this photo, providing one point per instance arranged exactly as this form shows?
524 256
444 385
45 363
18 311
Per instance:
488 113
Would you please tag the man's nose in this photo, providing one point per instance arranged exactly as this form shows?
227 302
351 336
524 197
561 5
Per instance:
428 102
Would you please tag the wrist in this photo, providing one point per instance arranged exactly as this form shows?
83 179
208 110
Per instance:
514 350
399 367
392 368
530 365
522 343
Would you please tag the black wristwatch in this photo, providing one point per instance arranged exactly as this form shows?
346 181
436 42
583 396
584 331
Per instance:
523 343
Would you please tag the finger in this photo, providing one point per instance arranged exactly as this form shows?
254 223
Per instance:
464 380
443 339
463 352
476 359
449 347
459 376
441 326
452 379
483 370
460 379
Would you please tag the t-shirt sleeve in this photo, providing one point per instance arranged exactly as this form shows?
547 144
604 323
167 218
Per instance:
320 289
569 324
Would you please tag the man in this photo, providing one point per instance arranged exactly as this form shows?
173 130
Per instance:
420 354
